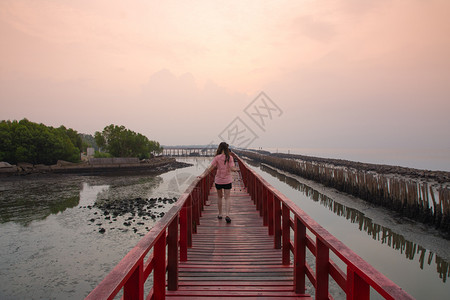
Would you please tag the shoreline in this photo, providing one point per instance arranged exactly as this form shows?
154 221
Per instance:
436 175
430 238
157 164
419 195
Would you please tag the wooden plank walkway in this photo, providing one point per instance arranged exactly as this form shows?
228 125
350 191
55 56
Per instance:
234 260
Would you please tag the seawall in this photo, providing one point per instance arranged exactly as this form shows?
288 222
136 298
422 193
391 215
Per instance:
157 164
420 195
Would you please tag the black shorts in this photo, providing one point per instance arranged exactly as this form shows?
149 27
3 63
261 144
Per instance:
223 186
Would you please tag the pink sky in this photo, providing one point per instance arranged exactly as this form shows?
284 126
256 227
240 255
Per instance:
344 73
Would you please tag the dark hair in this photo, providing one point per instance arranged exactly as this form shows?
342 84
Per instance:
224 147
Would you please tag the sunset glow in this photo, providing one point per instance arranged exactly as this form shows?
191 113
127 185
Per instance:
346 73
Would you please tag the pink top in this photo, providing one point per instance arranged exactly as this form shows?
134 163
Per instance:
223 175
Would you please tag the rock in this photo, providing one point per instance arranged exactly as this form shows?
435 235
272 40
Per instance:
102 230
4 164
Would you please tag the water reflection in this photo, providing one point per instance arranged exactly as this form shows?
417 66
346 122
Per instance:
65 255
25 200
380 233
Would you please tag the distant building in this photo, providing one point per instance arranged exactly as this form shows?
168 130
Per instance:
90 152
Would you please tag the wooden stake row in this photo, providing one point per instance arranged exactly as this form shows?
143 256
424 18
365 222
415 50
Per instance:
423 201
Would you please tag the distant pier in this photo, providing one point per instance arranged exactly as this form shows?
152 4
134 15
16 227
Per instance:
189 151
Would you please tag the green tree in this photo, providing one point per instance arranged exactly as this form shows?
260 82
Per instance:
6 145
122 142
74 137
155 147
88 141
25 141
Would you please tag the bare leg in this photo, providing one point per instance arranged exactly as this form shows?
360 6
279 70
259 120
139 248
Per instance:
219 201
227 202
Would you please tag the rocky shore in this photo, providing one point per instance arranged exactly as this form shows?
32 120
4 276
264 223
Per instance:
127 214
97 166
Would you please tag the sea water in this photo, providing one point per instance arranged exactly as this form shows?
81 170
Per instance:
425 159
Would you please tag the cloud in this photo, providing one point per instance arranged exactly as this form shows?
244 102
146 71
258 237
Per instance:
314 29
381 102
180 111
349 72
360 8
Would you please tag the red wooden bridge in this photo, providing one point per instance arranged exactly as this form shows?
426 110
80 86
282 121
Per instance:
261 254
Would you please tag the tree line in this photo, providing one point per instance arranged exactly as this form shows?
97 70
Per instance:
26 141
121 142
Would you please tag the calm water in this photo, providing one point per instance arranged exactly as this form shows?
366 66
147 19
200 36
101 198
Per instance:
426 159
50 247
52 250
411 255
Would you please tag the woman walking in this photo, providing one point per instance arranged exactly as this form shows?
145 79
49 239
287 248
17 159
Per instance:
223 179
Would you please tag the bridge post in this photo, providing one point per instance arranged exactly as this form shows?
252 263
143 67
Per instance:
264 206
322 269
277 222
196 207
200 199
159 271
299 256
357 288
270 213
250 185
189 220
208 187
257 202
286 234
134 287
183 233
260 198
172 255
254 189
243 174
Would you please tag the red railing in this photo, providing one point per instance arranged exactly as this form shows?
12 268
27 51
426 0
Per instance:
171 235
283 218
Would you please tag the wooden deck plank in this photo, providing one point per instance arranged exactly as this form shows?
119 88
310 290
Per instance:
239 293
214 283
235 260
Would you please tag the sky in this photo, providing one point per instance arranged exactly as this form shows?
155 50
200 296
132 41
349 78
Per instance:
290 74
